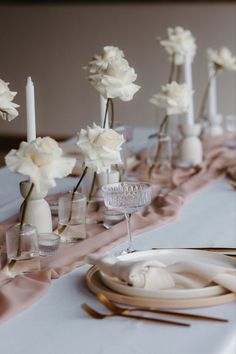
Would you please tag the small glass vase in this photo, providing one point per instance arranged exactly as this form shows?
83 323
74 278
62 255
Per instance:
71 217
159 160
22 249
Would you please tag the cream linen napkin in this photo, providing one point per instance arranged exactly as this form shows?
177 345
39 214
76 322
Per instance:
154 275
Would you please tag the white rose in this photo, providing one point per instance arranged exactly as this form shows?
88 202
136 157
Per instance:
174 98
112 76
179 44
42 161
100 147
7 107
223 58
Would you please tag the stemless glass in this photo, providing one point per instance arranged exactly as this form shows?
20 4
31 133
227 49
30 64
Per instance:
22 249
159 160
127 197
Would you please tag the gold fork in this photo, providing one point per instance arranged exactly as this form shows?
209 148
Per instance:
124 310
100 316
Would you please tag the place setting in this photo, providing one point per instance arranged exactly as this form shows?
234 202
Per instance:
117 194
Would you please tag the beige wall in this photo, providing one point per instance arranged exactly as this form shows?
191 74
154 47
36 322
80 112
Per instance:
52 43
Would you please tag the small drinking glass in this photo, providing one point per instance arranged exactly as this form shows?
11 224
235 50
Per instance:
71 217
48 243
22 249
159 160
230 127
127 197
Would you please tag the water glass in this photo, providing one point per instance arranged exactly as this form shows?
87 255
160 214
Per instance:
159 160
71 217
230 127
22 249
48 243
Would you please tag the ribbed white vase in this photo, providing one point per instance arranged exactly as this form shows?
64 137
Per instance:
191 146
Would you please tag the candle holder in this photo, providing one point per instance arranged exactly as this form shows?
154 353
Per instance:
38 212
191 150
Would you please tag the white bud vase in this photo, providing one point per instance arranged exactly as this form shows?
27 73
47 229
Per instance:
38 212
215 126
191 147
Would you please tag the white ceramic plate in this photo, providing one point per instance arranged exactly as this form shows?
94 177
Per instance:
168 257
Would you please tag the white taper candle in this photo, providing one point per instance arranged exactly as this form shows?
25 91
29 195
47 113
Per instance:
103 103
30 110
189 82
212 99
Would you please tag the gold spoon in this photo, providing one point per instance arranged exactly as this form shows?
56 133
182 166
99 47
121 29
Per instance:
100 316
122 310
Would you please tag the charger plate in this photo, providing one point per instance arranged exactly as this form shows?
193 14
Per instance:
96 285
168 257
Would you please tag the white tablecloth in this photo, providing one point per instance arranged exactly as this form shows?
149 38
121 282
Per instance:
57 324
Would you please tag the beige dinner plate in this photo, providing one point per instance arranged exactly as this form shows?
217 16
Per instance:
170 298
96 285
168 257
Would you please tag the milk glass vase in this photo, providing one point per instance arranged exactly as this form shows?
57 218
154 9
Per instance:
38 212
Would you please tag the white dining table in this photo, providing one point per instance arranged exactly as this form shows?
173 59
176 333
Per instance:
56 324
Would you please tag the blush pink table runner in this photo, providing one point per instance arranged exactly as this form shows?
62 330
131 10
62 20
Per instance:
17 294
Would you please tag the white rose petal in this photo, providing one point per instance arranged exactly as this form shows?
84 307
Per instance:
222 58
100 147
174 98
112 76
42 161
7 107
179 44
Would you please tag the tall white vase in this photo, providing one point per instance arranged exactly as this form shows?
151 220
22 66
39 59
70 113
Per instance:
191 147
38 212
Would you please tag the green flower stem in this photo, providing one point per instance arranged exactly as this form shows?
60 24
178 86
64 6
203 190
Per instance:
61 229
106 111
159 134
172 70
92 186
178 73
111 105
22 219
112 114
205 96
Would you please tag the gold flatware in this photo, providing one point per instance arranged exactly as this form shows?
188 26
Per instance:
228 251
124 310
100 316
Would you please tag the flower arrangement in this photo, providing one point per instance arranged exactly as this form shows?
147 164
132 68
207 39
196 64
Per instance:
100 148
42 161
7 107
178 44
111 75
220 60
175 99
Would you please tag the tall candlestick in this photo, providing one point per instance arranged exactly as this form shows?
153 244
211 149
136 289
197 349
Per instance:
103 104
212 99
30 110
188 80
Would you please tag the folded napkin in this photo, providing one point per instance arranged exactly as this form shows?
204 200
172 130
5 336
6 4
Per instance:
154 275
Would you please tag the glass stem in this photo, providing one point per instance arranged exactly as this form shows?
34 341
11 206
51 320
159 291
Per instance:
130 248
